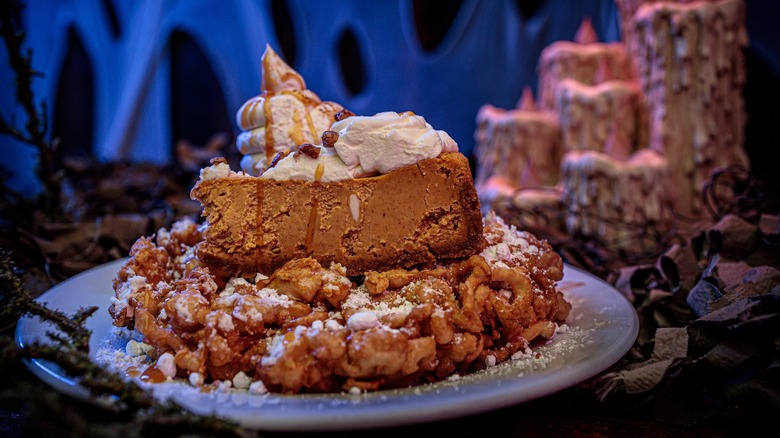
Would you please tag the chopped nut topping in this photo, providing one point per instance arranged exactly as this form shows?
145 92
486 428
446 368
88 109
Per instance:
329 138
217 160
343 114
308 149
278 157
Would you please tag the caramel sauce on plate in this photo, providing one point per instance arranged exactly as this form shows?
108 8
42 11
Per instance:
153 375
132 372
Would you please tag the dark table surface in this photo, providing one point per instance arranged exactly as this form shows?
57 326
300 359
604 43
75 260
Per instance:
572 412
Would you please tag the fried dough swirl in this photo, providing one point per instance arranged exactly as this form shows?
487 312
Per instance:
310 328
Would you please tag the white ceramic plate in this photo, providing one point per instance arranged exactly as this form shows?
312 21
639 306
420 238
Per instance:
602 327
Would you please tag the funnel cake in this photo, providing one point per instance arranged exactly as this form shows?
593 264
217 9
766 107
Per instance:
308 327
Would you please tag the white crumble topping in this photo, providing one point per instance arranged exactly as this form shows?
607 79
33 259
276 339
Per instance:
271 296
166 363
299 330
181 260
333 325
358 298
163 236
127 290
195 379
223 385
513 247
219 170
503 252
248 314
241 380
183 309
275 349
181 226
519 354
226 300
362 321
257 387
225 323
135 348
230 287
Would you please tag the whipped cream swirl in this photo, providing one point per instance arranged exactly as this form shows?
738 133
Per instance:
284 115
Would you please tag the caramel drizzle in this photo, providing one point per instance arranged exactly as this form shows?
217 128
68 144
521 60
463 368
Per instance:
296 133
319 171
310 227
284 77
306 101
269 135
310 122
267 94
270 149
259 215
248 110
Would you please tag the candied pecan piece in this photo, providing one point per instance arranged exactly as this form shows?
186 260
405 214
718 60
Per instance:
277 158
329 138
343 114
307 149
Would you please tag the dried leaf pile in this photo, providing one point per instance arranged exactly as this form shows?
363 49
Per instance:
108 207
708 301
709 338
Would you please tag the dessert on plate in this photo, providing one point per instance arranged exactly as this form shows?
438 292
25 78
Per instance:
357 262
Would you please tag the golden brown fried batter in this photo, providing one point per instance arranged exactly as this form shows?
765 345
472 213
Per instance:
310 328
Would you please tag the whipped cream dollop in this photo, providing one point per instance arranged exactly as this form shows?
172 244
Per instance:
387 141
366 146
219 169
327 167
284 115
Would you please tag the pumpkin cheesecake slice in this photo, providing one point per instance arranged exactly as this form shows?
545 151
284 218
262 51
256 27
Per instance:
418 213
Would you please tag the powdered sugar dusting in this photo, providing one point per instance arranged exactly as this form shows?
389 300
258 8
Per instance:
506 244
370 315
360 301
113 353
562 350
